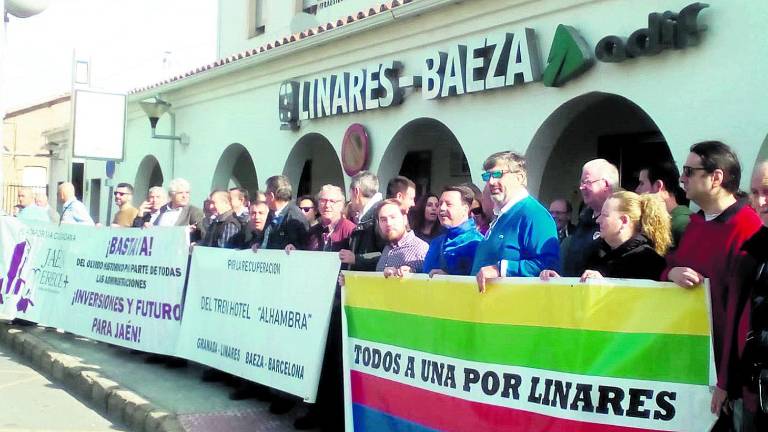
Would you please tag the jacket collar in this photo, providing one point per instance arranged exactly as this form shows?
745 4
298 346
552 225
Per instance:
728 213
633 243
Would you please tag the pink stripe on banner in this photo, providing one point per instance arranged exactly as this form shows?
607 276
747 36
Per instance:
447 413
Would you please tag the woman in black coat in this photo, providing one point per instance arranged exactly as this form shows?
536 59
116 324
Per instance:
636 234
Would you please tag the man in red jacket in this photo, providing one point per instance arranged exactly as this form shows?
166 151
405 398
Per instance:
711 248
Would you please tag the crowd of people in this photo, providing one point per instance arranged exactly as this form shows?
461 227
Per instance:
503 231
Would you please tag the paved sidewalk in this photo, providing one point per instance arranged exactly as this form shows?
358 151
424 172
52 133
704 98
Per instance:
142 396
32 403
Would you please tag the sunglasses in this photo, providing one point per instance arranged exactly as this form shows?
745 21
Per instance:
117 194
307 209
477 211
497 174
688 170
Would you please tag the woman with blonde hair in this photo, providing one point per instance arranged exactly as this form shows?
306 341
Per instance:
636 235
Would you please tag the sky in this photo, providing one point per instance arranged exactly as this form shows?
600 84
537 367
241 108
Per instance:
126 42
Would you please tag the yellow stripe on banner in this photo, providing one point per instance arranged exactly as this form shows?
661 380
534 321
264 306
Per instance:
637 307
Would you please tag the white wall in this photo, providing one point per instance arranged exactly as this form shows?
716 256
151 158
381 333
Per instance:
711 91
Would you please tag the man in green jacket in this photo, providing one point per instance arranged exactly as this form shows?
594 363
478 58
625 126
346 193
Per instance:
663 179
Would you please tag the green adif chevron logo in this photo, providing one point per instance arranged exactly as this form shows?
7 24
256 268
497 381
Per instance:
568 58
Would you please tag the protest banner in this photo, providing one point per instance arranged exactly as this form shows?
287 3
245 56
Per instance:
21 271
261 316
113 285
434 354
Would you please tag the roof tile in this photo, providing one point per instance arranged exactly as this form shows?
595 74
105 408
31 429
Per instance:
362 14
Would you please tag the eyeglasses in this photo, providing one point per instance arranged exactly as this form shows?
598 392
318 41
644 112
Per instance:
688 170
307 209
497 174
117 194
589 182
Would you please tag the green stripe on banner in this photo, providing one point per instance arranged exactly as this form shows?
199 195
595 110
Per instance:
657 357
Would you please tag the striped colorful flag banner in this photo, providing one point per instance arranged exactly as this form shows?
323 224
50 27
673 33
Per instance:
614 355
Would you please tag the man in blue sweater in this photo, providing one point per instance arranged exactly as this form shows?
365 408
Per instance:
453 251
522 240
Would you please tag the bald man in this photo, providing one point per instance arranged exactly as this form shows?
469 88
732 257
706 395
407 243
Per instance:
72 210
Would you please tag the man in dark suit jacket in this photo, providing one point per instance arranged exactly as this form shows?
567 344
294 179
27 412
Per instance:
178 211
288 225
365 243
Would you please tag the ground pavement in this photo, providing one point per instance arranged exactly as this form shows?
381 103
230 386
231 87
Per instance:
30 402
133 393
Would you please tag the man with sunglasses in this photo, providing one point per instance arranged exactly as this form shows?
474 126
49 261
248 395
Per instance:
126 212
711 248
522 241
599 179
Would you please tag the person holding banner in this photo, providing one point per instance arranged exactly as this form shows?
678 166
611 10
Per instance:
635 233
453 251
522 241
755 281
711 177
405 252
331 234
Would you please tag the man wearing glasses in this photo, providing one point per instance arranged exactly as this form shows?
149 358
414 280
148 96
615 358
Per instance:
333 231
711 248
126 212
561 211
522 241
331 234
599 179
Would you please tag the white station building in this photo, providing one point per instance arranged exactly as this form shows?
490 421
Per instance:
317 90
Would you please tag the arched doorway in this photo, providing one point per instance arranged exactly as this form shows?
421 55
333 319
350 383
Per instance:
235 169
148 175
594 125
312 163
427 152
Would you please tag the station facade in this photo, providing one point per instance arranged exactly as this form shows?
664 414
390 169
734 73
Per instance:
430 88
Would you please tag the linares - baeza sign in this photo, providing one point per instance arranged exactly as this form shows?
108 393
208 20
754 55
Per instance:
497 60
